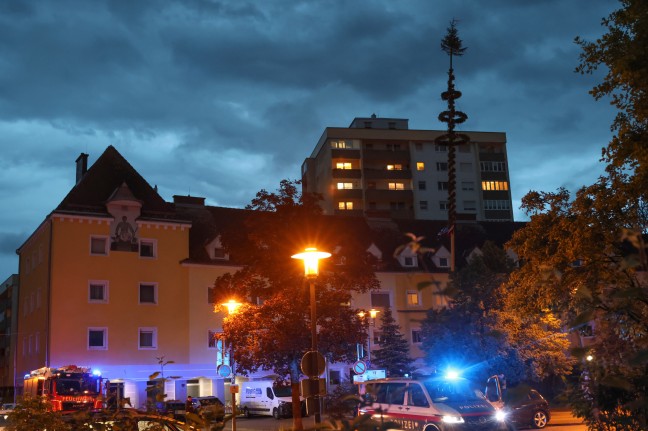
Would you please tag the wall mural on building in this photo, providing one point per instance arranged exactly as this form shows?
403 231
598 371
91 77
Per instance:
125 236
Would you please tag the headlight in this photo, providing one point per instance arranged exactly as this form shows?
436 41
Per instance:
500 415
452 419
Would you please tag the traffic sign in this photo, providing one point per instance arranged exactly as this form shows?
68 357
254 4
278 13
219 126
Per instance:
224 370
313 364
359 367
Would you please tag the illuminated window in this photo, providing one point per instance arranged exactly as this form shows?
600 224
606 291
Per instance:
420 166
344 165
442 166
494 185
342 186
413 298
147 338
345 205
396 186
340 144
396 167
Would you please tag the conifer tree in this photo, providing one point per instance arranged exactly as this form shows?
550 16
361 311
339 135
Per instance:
393 355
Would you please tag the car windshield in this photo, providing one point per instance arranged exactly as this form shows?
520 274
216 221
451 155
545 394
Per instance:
443 390
76 386
283 391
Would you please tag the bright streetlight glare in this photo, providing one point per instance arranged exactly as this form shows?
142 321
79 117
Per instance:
311 257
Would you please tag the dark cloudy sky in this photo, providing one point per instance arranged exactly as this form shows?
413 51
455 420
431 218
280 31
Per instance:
221 98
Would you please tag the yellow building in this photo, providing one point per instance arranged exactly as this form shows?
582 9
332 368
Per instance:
118 279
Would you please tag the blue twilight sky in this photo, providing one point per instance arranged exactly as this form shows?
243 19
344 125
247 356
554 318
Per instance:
222 98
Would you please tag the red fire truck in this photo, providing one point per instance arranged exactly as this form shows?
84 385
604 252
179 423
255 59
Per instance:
67 388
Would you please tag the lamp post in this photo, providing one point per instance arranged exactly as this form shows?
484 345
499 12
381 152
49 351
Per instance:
311 257
372 314
232 306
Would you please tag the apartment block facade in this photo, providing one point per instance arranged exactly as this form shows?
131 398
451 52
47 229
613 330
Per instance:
378 167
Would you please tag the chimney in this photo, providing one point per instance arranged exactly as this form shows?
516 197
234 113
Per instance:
81 166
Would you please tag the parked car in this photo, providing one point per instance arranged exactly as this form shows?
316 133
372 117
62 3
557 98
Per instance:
526 408
210 408
522 405
175 409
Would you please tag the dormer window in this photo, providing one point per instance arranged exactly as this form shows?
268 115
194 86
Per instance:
409 261
219 253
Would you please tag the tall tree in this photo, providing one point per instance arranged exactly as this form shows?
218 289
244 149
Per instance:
393 355
473 332
586 255
272 329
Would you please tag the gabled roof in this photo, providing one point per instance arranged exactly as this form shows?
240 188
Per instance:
103 179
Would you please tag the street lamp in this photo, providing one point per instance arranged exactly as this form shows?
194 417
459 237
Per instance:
311 257
232 306
372 314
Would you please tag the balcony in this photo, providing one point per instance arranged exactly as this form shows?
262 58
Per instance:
493 176
384 174
346 173
354 213
395 156
340 153
347 194
389 195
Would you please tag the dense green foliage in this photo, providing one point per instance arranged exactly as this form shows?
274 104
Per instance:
585 255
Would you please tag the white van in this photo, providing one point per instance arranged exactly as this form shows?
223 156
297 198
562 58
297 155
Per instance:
435 404
262 398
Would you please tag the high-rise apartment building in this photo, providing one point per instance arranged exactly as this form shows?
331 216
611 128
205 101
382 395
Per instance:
378 167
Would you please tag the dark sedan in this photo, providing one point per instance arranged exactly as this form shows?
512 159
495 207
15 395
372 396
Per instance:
526 409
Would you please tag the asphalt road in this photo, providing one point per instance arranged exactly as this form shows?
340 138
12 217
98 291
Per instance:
561 420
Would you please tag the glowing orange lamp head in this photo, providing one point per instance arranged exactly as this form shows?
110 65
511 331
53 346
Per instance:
311 257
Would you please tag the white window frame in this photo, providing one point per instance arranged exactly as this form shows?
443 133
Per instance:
106 245
153 243
155 292
147 329
105 337
104 284
415 293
